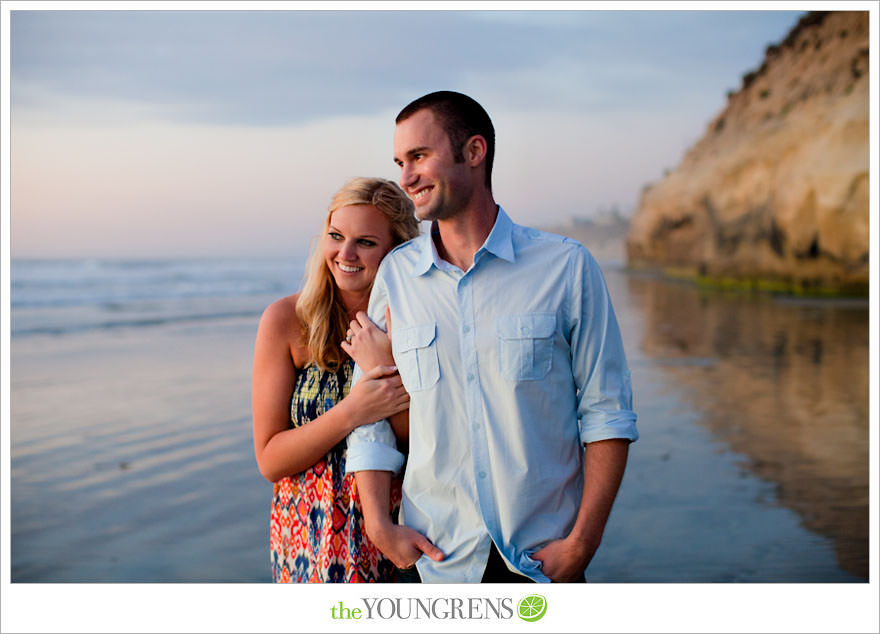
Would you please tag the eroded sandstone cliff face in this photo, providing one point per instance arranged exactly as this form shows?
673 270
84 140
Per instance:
777 189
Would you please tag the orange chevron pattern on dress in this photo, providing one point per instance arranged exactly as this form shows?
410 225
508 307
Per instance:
316 524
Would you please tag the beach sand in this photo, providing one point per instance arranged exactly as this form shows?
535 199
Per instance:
132 457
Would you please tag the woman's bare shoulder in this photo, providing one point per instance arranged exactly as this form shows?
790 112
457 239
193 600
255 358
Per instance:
280 318
281 322
283 309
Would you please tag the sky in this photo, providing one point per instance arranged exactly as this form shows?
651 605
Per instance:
170 133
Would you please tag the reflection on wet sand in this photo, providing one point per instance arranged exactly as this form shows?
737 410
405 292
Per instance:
784 382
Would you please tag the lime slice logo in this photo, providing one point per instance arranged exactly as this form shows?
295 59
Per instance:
532 607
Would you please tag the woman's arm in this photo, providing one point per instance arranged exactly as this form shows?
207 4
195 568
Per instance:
280 450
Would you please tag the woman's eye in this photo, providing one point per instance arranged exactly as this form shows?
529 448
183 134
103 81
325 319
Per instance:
335 236
367 243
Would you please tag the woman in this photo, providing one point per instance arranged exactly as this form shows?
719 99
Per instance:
303 402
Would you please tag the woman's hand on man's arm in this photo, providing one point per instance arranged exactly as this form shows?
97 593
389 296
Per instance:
368 344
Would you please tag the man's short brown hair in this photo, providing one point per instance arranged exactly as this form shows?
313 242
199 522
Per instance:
461 117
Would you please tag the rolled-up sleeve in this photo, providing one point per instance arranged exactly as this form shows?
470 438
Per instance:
373 447
598 361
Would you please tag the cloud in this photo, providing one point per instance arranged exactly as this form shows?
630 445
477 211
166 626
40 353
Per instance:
207 132
291 67
258 68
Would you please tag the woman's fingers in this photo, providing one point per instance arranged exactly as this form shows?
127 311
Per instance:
363 320
395 395
384 370
360 322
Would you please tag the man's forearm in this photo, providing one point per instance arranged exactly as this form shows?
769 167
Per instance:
566 559
374 490
604 464
402 545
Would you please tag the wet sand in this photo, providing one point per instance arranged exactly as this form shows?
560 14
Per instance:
784 383
753 458
132 457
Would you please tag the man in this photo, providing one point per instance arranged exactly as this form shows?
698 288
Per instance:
520 398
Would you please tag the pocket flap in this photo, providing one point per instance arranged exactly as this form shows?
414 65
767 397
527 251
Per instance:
527 326
419 336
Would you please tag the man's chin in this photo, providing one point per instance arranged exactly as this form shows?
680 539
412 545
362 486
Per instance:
430 214
426 214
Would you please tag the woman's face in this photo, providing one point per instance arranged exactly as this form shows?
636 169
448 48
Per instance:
357 239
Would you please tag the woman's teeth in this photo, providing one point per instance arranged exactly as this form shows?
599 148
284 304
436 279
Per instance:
350 269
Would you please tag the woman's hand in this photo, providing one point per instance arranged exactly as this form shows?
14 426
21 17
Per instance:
368 344
379 394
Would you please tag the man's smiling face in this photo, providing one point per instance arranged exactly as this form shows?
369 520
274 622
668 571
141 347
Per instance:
438 185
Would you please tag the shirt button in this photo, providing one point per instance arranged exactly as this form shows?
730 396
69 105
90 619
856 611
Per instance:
466 329
470 376
482 475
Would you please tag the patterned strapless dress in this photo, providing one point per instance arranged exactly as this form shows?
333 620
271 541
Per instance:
317 527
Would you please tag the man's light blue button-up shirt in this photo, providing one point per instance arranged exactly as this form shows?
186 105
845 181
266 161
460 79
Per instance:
511 367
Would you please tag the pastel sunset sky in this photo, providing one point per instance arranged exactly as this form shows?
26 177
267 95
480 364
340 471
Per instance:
202 132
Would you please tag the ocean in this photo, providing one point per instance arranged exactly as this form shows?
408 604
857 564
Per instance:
132 457
60 297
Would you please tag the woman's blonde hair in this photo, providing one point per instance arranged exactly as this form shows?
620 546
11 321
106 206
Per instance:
319 308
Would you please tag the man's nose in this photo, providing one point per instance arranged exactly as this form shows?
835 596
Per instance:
408 175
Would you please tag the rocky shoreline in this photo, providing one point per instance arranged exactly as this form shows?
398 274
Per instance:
775 194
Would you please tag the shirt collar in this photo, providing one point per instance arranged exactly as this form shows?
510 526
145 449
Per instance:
427 253
500 240
499 243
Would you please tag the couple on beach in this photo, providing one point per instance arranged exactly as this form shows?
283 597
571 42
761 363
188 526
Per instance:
500 390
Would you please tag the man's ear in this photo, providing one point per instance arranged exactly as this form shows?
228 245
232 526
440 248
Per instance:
475 150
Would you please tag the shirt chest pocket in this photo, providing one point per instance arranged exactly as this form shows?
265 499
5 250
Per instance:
415 353
525 345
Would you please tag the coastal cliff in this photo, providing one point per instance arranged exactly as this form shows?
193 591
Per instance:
775 194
